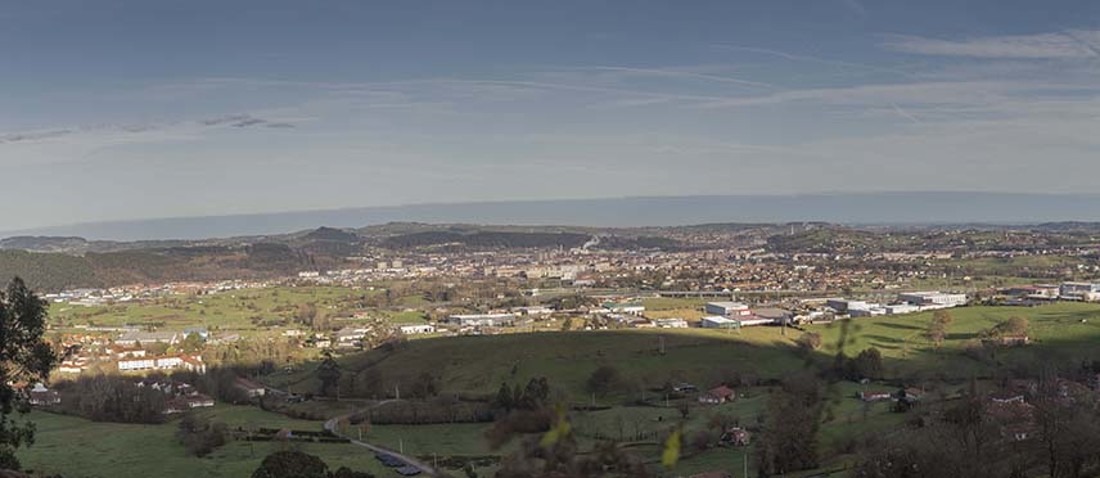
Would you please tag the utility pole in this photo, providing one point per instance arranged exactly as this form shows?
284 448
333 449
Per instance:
401 445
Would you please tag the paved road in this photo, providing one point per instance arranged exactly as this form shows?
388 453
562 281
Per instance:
331 426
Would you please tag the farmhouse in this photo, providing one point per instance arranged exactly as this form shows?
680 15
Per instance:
1012 340
874 396
736 436
42 396
250 387
718 395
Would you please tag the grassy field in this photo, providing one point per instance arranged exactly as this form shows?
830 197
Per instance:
690 309
75 447
479 364
230 310
1061 332
407 317
1065 332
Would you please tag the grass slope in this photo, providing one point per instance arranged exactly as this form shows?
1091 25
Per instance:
1061 333
75 447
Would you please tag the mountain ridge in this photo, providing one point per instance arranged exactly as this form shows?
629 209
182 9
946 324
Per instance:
844 208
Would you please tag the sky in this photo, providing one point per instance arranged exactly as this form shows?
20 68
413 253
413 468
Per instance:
114 110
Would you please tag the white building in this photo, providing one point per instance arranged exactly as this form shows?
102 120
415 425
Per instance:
727 309
717 322
535 310
350 336
414 329
135 337
136 364
750 320
168 362
871 310
933 298
846 306
671 323
901 309
1079 290
624 308
481 320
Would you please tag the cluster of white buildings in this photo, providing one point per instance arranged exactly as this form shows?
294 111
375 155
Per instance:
143 363
481 320
727 315
1086 291
908 302
1078 291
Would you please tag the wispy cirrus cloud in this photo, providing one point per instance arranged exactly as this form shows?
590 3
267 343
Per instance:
135 132
682 74
244 121
34 135
1056 45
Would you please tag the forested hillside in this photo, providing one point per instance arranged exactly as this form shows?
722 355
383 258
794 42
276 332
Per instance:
56 271
48 271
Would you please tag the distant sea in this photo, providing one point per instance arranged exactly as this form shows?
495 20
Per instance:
844 208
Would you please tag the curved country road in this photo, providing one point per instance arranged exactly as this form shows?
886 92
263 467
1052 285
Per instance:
330 425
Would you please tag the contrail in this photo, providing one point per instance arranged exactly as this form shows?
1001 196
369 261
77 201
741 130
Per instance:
687 74
1087 45
814 59
905 114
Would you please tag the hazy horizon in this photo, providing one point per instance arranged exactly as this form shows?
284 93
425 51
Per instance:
867 208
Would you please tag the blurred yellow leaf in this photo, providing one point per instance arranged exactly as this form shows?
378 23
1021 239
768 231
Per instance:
671 455
560 430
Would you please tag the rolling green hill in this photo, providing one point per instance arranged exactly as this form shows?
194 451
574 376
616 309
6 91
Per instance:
1062 334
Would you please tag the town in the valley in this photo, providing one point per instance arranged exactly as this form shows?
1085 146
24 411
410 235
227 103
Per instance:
406 333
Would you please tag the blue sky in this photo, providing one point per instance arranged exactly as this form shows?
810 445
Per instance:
137 109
